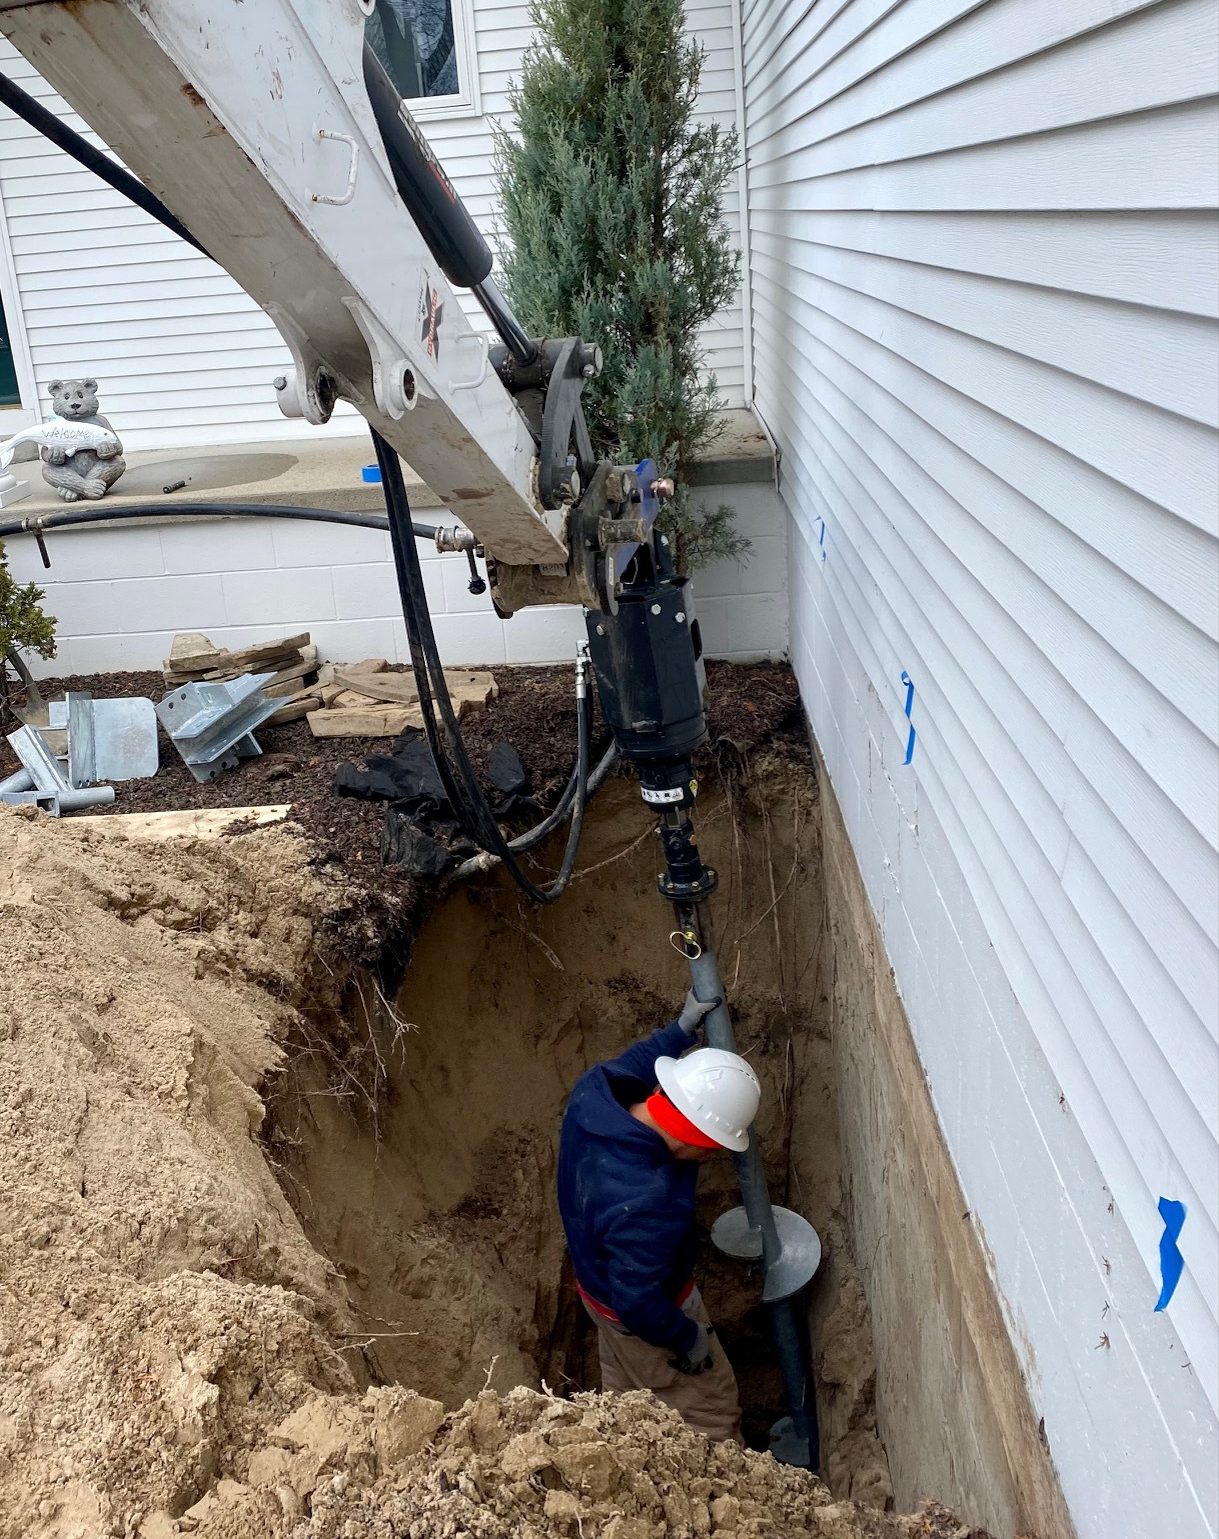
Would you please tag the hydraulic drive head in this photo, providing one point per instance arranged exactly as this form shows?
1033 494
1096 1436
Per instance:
647 654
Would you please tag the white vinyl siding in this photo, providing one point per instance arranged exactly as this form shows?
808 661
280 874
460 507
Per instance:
984 285
181 353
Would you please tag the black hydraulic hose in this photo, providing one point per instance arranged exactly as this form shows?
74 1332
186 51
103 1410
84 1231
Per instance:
479 865
396 509
534 836
44 522
95 160
419 633
465 793
479 820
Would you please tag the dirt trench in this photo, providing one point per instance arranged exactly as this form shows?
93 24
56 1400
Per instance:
436 1203
263 1229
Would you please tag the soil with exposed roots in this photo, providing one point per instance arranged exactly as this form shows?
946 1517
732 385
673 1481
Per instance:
176 1356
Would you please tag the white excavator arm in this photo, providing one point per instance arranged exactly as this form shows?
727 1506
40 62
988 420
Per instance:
252 121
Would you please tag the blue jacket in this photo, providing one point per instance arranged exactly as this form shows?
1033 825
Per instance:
627 1205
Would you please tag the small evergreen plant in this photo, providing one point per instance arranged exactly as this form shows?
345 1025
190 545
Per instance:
23 625
611 205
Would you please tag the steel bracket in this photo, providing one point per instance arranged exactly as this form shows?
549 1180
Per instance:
50 787
107 739
212 725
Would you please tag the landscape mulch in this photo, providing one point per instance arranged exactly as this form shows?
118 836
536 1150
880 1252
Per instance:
749 706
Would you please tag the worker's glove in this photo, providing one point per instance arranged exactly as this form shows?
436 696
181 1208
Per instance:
693 1011
698 1358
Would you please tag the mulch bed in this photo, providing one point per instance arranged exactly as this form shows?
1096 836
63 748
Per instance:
748 707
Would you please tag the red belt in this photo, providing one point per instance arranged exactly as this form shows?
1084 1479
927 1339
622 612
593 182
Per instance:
607 1313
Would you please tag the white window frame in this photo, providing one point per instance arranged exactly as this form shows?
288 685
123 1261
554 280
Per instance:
29 412
468 101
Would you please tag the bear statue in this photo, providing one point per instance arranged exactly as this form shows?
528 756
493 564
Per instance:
87 473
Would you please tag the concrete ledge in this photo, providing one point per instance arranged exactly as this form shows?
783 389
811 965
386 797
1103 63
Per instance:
325 473
740 455
317 473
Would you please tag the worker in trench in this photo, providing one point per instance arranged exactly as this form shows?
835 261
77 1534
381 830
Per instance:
635 1131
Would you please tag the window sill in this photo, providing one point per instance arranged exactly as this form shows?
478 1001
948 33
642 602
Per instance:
423 111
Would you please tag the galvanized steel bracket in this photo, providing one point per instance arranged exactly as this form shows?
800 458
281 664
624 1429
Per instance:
212 725
107 739
50 789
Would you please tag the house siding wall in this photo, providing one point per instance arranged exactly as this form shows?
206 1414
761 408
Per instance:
983 282
182 354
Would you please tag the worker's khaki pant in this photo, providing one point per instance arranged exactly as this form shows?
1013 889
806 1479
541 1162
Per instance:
707 1401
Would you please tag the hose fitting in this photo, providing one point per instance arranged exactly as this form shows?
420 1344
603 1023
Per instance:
581 671
450 537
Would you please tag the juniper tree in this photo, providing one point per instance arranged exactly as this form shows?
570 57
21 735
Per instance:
610 196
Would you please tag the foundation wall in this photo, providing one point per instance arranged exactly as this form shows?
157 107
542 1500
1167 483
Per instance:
119 594
952 1404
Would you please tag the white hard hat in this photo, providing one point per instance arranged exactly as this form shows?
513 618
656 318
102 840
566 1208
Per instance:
716 1090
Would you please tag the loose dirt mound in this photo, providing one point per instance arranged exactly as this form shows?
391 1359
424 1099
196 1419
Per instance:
174 1354
158 1299
531 1466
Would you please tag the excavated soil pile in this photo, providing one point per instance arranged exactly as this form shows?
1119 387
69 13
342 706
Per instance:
159 1305
530 1466
183 1349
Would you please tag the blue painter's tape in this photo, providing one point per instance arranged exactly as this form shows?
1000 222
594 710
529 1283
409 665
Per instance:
1172 1262
371 474
909 707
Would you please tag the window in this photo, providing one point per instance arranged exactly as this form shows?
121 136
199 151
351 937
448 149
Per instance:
10 395
427 49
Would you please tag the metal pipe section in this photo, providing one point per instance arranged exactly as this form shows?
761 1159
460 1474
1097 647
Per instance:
499 312
785 1324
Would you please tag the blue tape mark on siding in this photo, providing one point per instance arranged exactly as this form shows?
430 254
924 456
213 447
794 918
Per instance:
1172 1262
908 708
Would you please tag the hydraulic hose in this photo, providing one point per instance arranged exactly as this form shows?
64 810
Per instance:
480 864
44 522
397 514
463 791
531 839
461 783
